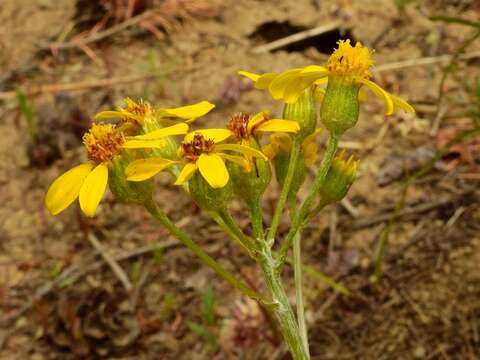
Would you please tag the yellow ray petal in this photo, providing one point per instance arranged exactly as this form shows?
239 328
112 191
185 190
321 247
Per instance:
245 150
142 144
65 189
93 189
256 119
263 81
282 81
239 160
279 125
213 169
217 135
302 82
248 74
143 169
402 104
379 92
188 112
321 81
109 114
178 129
314 68
186 173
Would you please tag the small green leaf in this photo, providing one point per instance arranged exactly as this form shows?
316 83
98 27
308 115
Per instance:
201 331
158 251
136 271
25 106
168 303
208 305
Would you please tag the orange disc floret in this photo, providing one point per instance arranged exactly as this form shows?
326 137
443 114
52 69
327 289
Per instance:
238 125
198 146
347 60
103 142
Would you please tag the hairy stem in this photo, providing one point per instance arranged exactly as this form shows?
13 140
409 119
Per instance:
282 309
312 194
245 240
296 146
257 220
163 219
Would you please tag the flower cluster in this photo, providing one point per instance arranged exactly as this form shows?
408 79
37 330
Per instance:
145 136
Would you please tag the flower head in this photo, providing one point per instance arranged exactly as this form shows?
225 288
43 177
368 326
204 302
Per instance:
243 126
141 113
103 142
87 181
200 150
346 62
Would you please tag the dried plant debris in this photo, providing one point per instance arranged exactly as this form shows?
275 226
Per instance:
394 167
89 322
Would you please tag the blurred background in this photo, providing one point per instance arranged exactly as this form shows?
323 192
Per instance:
404 244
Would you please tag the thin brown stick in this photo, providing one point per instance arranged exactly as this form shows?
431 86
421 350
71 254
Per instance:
423 61
302 35
362 223
117 269
101 34
76 86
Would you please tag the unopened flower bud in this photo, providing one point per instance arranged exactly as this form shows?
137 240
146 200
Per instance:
304 112
281 163
250 181
339 178
208 198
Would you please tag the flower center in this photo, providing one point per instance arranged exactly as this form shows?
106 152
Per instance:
347 60
238 125
103 142
142 108
199 145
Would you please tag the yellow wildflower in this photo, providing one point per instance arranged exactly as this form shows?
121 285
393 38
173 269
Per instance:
243 126
88 181
200 150
139 112
346 62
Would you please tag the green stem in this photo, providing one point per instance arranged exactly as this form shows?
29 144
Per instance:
298 277
246 241
257 220
298 280
163 219
282 309
312 194
296 146
228 230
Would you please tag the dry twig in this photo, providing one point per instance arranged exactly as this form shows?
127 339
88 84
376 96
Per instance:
117 270
302 35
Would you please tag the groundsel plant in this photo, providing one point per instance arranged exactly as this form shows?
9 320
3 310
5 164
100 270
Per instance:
214 165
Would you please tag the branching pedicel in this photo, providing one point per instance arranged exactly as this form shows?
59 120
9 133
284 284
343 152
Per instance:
213 165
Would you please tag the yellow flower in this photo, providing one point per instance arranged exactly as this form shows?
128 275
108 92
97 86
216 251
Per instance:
138 113
200 150
346 62
282 143
243 126
88 181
